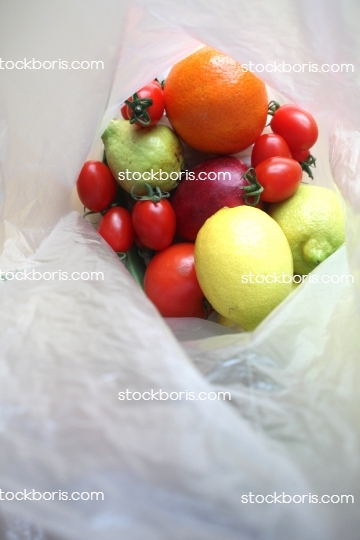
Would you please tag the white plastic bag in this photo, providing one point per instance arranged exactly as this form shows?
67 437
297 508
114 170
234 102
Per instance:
168 469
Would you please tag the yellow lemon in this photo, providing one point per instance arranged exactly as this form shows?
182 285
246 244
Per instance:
243 263
226 322
313 222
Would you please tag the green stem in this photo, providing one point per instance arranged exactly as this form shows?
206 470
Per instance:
155 195
273 107
139 107
135 265
309 162
254 189
102 213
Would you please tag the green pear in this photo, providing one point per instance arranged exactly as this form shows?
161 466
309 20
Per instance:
137 155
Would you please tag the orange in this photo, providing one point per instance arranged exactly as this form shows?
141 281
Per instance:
214 104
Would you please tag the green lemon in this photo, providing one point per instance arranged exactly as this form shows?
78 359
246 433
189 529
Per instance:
313 222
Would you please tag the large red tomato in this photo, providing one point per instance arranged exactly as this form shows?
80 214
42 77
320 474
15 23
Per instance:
171 283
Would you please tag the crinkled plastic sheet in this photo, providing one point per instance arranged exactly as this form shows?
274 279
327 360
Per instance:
171 469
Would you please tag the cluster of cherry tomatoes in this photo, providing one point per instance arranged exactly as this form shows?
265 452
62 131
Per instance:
170 280
279 158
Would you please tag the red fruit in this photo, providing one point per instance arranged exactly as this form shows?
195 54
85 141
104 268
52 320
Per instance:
145 114
171 284
267 146
300 155
194 201
96 186
124 111
117 229
154 223
298 127
138 243
280 178
306 160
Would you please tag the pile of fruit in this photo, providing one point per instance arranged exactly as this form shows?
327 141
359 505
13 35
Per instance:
223 235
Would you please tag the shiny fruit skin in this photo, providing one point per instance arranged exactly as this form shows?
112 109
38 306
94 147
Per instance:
233 248
269 145
154 224
96 186
313 222
171 284
155 111
117 229
124 111
194 201
296 126
280 178
214 104
300 155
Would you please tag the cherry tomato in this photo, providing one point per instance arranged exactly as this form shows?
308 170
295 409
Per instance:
117 229
171 283
300 155
306 160
157 83
96 186
280 177
124 111
154 223
146 113
269 145
296 126
138 243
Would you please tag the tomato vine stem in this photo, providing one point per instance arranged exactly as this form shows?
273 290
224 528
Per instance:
306 165
254 189
153 194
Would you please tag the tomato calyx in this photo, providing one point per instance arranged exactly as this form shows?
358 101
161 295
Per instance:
253 190
273 107
153 194
307 164
138 107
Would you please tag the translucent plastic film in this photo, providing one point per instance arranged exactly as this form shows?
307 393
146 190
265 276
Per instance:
168 469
